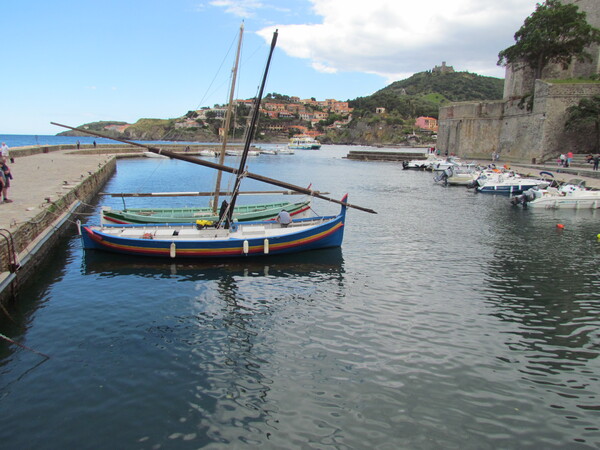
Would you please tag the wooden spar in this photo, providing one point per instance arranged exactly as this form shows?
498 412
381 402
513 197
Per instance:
227 120
199 194
250 135
212 165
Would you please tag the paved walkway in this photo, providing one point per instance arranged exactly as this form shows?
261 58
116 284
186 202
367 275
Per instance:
38 179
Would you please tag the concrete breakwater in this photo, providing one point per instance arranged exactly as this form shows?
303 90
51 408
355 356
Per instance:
89 149
373 155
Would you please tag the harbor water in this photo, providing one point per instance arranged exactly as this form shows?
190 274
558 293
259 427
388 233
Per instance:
448 320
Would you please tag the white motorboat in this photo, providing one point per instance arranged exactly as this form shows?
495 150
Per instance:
422 164
453 162
304 142
457 176
276 151
507 183
238 153
572 195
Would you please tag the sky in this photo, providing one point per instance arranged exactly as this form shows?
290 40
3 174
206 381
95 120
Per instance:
81 61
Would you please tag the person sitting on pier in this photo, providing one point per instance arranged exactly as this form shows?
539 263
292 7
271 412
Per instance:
284 218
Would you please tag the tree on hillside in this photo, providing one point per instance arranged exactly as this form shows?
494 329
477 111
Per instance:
584 114
553 33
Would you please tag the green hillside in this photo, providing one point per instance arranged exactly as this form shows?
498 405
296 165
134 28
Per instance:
423 93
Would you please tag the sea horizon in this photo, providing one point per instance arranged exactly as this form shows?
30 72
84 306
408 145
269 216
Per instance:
23 140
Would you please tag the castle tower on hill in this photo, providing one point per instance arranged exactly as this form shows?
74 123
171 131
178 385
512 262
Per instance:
519 133
519 80
443 68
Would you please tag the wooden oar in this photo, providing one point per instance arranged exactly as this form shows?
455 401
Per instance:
198 194
216 166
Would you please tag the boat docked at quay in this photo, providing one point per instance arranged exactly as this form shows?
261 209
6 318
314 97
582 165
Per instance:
276 151
225 238
495 181
458 175
422 164
242 213
208 241
571 195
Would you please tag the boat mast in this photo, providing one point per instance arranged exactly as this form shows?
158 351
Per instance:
234 71
240 173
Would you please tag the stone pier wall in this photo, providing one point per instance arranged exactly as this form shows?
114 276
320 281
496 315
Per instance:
44 224
475 130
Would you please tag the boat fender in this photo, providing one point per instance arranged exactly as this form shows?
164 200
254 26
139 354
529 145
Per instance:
172 250
200 224
79 227
266 246
246 248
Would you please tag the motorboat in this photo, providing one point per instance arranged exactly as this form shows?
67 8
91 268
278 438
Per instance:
571 195
238 152
506 182
276 151
457 175
454 162
422 164
303 142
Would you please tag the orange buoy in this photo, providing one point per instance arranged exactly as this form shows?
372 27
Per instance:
560 226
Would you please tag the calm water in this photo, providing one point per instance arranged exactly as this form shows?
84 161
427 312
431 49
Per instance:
448 320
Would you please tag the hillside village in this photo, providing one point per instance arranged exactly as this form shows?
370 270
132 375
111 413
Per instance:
281 117
295 116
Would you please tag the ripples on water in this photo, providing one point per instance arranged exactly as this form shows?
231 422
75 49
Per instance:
448 320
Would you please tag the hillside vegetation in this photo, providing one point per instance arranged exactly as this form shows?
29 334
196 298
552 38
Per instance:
423 93
420 95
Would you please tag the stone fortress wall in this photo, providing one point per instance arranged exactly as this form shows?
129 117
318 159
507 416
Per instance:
477 129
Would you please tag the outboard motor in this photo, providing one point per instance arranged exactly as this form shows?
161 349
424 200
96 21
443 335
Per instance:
472 184
527 196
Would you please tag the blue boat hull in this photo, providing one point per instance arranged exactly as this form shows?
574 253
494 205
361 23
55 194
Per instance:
328 233
505 190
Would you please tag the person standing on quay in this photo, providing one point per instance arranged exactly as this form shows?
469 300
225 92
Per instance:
5 177
596 161
4 152
569 158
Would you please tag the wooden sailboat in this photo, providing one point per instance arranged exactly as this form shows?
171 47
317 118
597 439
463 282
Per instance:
232 240
243 213
253 212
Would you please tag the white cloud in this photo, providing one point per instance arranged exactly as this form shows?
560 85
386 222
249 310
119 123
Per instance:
393 38
240 8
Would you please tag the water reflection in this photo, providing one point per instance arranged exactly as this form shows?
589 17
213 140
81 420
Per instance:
328 262
542 282
220 346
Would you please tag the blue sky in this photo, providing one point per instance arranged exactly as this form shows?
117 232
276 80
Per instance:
81 61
